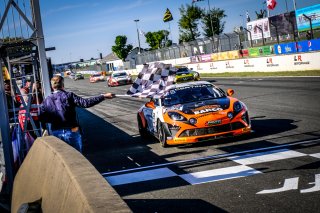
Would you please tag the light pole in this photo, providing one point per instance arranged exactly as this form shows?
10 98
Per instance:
210 17
136 20
210 20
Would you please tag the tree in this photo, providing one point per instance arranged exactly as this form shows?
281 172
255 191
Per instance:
188 23
158 39
121 49
216 15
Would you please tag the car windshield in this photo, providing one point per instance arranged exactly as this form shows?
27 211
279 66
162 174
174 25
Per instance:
119 74
183 70
192 93
96 75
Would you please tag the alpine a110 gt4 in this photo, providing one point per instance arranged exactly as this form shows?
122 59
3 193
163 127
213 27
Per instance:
118 78
193 112
184 74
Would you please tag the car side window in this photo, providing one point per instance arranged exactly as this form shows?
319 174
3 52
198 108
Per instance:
155 101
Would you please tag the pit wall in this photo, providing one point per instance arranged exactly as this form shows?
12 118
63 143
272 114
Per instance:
64 180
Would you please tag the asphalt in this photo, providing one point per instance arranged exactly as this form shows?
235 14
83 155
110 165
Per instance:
284 152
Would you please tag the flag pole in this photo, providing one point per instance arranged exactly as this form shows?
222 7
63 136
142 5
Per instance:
170 31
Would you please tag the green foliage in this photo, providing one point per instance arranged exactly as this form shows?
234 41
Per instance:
188 23
121 49
157 39
216 15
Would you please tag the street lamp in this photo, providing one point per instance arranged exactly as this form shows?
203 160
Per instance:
136 20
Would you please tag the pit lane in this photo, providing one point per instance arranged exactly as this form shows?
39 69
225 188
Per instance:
283 111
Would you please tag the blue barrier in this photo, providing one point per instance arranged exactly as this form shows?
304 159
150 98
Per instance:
294 47
306 46
287 48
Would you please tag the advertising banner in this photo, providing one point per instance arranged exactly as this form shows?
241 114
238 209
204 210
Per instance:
206 58
287 48
306 46
313 12
261 51
225 55
245 53
255 32
284 23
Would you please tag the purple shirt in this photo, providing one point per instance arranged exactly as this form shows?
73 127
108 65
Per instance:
59 108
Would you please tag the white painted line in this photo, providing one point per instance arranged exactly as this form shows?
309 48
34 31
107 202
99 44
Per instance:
316 155
315 188
269 156
140 176
219 174
219 156
289 184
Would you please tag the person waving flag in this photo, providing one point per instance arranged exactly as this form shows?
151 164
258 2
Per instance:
167 16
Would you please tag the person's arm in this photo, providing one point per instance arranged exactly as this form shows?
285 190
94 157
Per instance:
89 102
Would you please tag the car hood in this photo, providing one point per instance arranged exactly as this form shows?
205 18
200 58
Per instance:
202 107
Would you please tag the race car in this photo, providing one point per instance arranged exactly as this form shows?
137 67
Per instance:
184 74
193 112
119 78
96 77
76 76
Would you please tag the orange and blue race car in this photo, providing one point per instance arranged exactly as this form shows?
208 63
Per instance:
193 112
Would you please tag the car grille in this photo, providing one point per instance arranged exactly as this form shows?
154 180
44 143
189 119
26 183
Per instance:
212 130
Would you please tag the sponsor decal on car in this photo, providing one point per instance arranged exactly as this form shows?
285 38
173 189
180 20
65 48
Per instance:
206 109
215 122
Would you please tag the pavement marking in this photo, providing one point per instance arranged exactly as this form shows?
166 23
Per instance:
316 155
140 176
315 188
263 157
219 174
218 156
289 184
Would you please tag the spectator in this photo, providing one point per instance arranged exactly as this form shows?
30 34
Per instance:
308 35
36 99
12 101
59 109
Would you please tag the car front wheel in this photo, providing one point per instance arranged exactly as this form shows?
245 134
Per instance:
162 135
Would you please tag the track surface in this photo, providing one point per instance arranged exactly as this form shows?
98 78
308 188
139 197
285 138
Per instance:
276 169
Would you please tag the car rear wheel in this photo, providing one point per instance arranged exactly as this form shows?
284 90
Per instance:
142 130
162 134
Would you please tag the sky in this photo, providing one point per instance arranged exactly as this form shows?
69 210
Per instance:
81 29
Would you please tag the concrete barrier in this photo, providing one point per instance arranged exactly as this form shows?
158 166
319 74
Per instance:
64 181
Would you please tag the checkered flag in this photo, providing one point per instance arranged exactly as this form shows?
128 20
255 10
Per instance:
152 80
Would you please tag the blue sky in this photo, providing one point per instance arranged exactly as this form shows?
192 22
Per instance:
83 29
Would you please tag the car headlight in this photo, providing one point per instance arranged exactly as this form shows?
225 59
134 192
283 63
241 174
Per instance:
237 106
192 121
176 116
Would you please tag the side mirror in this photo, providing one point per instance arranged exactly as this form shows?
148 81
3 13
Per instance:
230 92
150 104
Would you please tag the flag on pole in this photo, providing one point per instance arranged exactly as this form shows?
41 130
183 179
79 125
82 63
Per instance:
247 16
271 4
167 16
152 80
142 33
